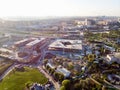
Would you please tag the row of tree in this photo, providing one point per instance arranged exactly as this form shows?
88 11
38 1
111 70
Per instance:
56 75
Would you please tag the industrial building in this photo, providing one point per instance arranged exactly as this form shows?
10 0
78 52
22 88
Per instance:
36 43
29 49
66 45
23 42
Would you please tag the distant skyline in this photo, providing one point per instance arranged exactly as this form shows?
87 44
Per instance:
42 8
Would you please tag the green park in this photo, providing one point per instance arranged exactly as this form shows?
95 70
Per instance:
19 79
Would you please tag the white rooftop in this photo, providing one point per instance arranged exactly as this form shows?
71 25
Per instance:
117 55
64 71
5 50
35 42
21 41
73 44
50 65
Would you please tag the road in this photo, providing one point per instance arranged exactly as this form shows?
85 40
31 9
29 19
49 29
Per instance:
7 71
115 86
39 65
56 84
43 52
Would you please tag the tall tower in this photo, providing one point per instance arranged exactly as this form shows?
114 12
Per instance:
86 21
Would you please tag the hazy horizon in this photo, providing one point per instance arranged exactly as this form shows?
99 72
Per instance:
59 8
17 18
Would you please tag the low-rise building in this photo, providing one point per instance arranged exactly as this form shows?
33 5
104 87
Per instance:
29 49
114 79
113 58
50 65
118 41
64 71
23 42
36 86
109 48
35 44
102 22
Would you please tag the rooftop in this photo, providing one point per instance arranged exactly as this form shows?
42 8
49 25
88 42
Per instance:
5 50
50 65
35 42
64 71
117 55
68 44
21 41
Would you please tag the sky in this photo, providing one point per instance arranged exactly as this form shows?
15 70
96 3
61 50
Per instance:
41 8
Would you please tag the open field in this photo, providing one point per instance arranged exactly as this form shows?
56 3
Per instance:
16 80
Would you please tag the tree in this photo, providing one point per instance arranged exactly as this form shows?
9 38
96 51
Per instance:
87 81
28 84
62 88
52 71
70 66
77 86
82 84
66 84
47 67
91 57
61 77
56 75
98 87
102 50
